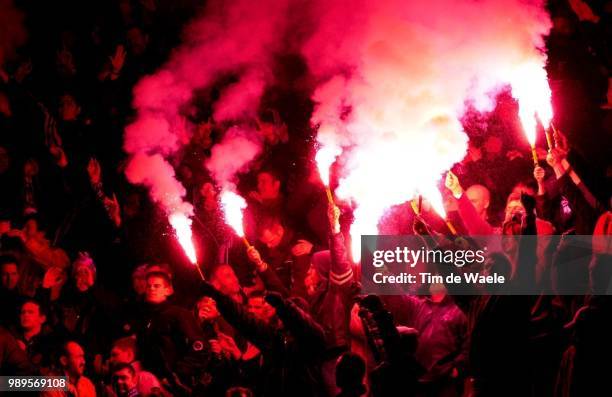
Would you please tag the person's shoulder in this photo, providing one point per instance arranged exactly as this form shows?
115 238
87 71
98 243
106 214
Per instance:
85 387
175 310
147 380
544 227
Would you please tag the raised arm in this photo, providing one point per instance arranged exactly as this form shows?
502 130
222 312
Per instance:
474 224
255 331
341 272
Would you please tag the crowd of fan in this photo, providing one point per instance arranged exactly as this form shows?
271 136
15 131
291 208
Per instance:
94 286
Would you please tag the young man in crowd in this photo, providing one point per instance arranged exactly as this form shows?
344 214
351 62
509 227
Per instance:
171 342
35 338
9 293
125 381
123 353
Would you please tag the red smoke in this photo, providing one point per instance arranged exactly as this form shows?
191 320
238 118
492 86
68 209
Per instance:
238 38
391 81
233 154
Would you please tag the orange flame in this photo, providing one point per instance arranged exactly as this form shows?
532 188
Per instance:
325 157
530 88
233 205
182 228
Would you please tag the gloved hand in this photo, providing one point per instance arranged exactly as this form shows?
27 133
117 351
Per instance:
372 303
529 202
274 299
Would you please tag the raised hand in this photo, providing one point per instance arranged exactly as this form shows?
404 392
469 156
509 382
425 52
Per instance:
30 168
452 183
538 174
94 170
528 202
59 155
117 60
555 156
54 277
113 209
372 303
66 61
560 140
303 247
251 352
333 216
254 195
229 345
254 255
274 299
215 346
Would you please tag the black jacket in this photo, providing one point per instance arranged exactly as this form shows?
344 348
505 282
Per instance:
170 340
13 360
291 355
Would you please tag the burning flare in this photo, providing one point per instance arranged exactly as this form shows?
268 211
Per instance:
325 157
530 88
395 78
182 227
434 198
233 205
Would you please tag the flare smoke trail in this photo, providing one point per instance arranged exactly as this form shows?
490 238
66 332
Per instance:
233 154
392 79
396 76
238 38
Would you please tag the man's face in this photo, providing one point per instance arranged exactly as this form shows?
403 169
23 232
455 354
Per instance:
158 290
83 278
31 228
226 280
268 186
272 236
30 317
119 356
139 283
124 381
9 275
514 207
74 359
478 200
260 309
207 309
69 109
